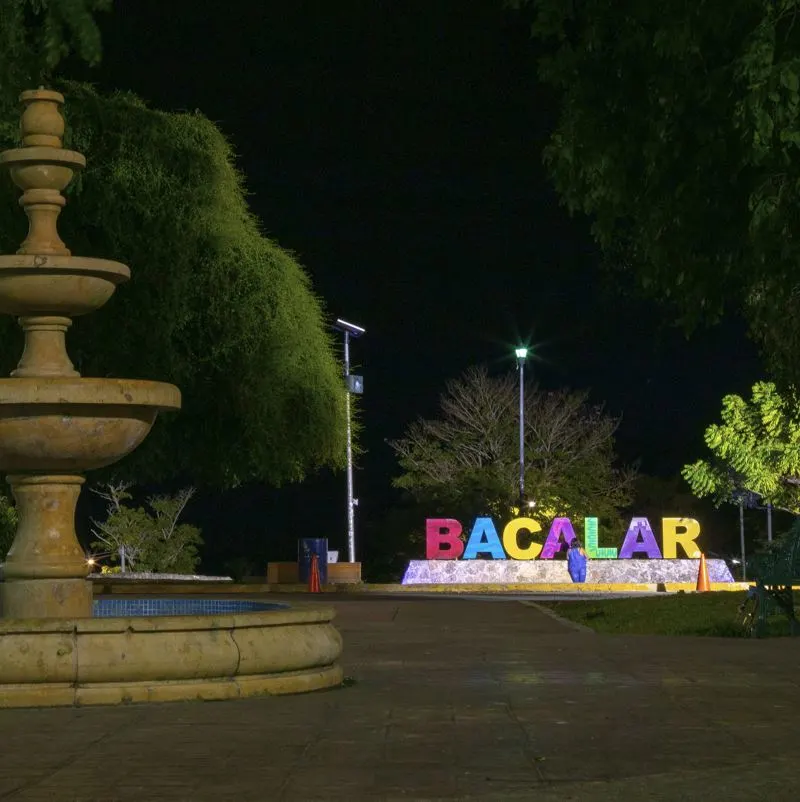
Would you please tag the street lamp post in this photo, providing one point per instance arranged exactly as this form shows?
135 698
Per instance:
521 354
355 384
769 522
741 538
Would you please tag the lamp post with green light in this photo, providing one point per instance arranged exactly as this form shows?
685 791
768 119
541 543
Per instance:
521 354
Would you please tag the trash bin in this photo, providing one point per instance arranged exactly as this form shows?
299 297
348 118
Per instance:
305 548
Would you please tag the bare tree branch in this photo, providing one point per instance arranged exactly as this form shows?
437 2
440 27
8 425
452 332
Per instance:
568 443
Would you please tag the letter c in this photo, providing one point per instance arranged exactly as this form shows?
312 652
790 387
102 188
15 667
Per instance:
511 539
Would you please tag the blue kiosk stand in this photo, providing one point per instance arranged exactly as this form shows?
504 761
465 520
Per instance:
305 548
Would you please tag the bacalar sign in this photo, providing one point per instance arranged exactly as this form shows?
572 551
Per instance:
518 540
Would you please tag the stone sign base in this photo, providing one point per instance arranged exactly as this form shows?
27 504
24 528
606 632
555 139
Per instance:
520 572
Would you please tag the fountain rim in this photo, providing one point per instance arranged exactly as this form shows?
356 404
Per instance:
42 154
33 263
68 391
167 623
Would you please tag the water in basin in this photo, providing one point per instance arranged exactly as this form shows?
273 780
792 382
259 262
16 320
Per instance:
125 608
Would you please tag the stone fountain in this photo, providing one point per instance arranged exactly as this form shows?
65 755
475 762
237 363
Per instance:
56 425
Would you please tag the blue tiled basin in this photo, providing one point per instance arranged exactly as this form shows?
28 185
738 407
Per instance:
125 608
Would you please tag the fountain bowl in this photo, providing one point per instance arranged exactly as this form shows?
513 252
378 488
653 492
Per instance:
42 167
64 424
46 284
222 654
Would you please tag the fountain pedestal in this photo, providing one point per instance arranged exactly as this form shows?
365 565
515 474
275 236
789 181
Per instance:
46 569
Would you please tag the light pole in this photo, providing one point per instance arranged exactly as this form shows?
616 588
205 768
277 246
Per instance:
769 522
355 384
522 354
741 538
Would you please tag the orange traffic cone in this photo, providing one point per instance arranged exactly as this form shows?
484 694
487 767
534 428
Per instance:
313 577
703 585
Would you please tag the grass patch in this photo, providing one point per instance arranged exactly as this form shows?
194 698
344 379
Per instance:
704 614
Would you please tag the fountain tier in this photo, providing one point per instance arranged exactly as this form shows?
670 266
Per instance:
73 424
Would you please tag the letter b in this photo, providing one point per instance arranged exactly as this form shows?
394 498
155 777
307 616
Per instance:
442 539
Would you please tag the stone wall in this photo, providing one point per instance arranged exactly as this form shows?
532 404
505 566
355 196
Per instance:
450 572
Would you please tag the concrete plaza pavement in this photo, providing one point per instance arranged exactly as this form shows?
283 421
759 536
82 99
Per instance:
450 699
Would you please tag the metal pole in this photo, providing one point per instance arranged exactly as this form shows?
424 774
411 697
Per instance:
521 435
351 524
769 522
741 538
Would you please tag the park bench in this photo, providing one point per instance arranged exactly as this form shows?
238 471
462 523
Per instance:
775 571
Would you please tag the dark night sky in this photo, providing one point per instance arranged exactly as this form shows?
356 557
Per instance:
395 147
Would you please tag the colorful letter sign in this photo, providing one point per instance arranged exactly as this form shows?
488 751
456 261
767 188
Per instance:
640 540
560 536
444 541
672 538
511 539
441 533
590 542
484 540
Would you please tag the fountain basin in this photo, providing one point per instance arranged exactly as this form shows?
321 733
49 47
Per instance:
148 607
167 658
47 284
64 424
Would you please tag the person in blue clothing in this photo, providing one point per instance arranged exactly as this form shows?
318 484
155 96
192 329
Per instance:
576 561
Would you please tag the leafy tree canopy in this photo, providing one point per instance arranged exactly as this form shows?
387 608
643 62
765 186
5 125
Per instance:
213 305
466 462
756 448
678 133
35 35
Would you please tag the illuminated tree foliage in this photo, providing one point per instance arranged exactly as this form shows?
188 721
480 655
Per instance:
466 462
214 306
756 448
678 134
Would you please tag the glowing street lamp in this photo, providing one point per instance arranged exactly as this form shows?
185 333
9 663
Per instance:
355 384
521 354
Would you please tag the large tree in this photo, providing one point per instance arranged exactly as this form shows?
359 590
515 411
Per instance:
213 306
466 461
756 448
36 35
678 133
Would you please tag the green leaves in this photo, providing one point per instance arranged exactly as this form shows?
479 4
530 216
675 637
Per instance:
152 539
212 306
678 134
36 35
756 448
